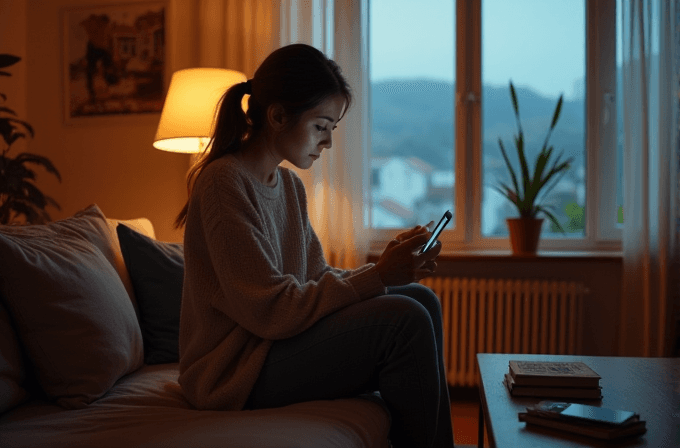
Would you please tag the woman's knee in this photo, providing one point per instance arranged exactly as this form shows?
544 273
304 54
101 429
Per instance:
422 294
409 311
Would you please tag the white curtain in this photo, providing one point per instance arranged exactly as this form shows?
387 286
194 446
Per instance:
651 110
234 34
335 183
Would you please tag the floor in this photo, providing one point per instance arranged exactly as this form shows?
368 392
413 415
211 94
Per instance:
465 416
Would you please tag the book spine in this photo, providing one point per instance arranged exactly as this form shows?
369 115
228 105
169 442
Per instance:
555 381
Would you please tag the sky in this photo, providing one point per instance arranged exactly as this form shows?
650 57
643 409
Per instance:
537 43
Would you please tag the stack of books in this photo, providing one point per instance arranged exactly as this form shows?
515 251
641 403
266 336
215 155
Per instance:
590 421
552 379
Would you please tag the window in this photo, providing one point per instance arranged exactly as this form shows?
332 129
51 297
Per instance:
434 138
540 46
412 133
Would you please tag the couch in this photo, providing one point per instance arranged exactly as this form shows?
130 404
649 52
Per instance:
89 313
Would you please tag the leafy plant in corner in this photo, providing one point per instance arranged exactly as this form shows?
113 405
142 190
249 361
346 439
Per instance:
18 194
526 189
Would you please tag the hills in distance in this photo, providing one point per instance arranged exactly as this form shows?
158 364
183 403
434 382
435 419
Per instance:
415 117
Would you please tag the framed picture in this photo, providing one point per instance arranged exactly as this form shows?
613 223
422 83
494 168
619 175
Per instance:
114 60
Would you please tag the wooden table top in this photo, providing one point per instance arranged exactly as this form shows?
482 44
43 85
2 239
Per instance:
648 386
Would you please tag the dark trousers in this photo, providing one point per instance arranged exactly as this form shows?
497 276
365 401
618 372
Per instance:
391 344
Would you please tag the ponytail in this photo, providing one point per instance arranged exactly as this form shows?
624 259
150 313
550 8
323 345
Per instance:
231 129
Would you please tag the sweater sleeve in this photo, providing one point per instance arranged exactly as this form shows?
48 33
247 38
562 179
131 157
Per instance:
366 280
317 269
254 292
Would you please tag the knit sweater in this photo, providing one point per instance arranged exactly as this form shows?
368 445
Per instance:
254 273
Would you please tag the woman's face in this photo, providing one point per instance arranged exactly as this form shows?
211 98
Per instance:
303 143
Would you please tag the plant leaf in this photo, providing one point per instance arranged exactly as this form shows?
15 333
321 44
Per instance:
507 162
28 210
52 202
505 192
541 162
513 96
558 176
7 60
17 168
32 194
556 167
526 180
551 217
23 124
556 114
16 136
25 157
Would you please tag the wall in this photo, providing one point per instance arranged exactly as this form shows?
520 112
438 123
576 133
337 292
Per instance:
109 161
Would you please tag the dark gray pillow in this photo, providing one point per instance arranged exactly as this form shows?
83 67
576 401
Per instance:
157 272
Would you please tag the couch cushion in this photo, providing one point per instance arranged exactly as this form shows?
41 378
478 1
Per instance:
157 272
70 308
147 408
12 370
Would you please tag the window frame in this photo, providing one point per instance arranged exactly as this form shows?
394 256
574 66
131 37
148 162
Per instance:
600 141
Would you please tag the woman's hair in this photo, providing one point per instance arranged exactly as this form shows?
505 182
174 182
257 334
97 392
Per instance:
298 77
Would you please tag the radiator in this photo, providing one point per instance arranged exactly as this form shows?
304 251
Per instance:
505 316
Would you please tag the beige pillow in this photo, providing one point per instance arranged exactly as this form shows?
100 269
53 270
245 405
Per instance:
141 225
71 310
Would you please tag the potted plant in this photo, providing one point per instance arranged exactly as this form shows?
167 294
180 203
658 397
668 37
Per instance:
21 202
529 190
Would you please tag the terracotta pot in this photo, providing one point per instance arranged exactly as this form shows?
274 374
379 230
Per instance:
524 235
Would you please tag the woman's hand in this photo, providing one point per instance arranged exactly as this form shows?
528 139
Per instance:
400 263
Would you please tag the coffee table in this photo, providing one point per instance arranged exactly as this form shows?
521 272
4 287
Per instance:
648 386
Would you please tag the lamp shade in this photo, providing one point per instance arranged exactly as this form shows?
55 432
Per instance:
189 110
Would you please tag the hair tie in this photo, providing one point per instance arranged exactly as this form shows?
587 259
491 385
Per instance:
249 87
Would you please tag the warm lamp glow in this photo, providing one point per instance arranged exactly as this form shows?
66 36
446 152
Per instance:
190 106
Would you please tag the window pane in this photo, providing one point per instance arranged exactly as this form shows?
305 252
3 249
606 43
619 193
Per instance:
540 46
412 140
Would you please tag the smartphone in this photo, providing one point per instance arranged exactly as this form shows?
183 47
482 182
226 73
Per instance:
437 230
582 412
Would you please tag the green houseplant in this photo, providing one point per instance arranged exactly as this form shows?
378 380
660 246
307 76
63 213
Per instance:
20 200
530 188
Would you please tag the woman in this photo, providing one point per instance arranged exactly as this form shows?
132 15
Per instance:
265 321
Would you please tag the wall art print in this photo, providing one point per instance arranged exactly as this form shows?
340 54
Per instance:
114 60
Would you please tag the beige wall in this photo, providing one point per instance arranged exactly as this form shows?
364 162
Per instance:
110 162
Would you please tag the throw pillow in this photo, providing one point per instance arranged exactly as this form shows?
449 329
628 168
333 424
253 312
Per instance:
70 308
157 272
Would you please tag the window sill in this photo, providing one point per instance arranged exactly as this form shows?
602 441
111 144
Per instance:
506 255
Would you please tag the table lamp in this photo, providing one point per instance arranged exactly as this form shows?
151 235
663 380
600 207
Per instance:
190 106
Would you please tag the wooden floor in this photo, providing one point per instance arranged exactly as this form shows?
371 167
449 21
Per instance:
465 416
